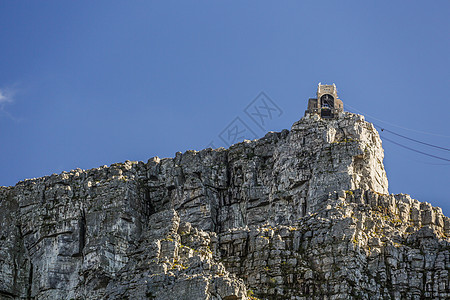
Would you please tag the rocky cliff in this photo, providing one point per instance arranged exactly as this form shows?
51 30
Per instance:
299 214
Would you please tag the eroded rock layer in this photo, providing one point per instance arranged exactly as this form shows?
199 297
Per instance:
299 214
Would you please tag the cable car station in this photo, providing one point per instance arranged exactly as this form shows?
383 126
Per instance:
327 104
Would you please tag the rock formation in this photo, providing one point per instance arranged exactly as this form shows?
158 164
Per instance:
299 214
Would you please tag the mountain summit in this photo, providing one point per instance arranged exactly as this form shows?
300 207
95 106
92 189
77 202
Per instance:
299 214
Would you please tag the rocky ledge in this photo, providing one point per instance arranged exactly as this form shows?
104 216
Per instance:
299 214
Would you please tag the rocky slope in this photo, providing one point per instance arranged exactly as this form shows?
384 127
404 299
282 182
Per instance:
299 214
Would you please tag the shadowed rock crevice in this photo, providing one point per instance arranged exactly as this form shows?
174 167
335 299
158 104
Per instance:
7 295
30 282
81 234
299 214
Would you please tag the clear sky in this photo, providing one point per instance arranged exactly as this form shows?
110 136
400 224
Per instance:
88 83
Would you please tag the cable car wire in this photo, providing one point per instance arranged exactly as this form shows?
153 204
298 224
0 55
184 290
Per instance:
415 150
405 128
408 138
411 139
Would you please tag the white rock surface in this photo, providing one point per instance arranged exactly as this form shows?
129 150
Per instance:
299 214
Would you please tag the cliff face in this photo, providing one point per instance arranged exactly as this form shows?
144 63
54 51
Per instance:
300 214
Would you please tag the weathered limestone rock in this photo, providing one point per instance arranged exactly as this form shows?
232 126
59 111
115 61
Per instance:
347 250
299 214
175 262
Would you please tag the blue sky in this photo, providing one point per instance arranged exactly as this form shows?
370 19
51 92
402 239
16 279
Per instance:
88 83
